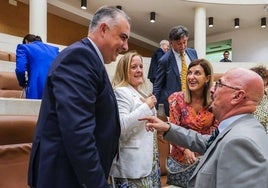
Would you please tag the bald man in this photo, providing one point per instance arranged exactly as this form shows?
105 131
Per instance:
238 157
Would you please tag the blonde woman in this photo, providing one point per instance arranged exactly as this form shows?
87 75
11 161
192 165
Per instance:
137 164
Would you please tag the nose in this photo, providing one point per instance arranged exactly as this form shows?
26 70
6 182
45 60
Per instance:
125 46
139 69
212 91
183 46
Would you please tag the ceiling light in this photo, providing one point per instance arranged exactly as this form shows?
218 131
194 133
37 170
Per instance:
119 7
84 4
266 8
236 23
152 18
210 22
263 22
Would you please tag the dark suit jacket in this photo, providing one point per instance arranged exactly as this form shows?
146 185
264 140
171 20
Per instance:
77 132
168 78
154 64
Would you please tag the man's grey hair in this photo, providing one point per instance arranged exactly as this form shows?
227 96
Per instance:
108 15
162 42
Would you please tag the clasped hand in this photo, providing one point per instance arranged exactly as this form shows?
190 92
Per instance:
150 100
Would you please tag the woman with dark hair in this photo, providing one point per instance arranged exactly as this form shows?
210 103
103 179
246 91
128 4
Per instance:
190 109
29 38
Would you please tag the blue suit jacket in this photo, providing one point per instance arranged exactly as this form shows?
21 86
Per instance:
168 78
77 132
154 64
35 58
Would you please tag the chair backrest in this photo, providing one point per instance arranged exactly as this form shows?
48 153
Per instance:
16 135
12 57
17 129
14 161
4 56
9 86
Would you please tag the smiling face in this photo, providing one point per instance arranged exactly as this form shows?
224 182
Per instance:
196 78
226 55
136 72
115 39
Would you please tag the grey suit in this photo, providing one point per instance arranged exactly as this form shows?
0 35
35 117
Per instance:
238 158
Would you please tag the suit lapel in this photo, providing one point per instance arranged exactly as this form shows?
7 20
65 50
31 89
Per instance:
191 54
188 52
209 150
213 145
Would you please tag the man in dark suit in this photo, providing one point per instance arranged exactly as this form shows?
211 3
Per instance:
77 134
238 156
164 47
168 76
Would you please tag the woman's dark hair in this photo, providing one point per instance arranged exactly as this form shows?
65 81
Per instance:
30 38
261 70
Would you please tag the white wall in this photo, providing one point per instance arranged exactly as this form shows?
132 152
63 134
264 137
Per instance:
9 43
250 48
248 45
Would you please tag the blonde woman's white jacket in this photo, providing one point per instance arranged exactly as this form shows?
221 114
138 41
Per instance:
135 157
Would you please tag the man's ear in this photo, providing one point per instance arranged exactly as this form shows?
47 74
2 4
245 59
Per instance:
238 96
102 28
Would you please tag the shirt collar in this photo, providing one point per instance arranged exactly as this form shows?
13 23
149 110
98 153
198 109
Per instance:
97 50
227 122
176 53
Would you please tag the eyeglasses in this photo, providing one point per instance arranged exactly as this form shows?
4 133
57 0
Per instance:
220 84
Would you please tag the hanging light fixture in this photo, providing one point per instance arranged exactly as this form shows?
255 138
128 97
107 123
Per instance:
119 7
236 23
210 22
84 4
152 18
263 22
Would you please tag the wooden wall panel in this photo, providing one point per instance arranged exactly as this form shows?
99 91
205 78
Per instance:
14 20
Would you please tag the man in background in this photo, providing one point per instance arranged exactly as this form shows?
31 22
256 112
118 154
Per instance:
33 60
172 66
78 129
226 57
164 47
